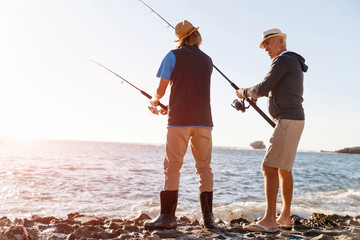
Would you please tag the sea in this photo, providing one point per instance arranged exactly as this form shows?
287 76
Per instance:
123 180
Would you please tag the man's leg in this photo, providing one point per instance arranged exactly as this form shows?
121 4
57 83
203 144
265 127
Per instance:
271 185
201 147
176 145
286 185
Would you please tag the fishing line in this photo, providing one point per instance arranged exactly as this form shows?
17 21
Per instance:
124 80
222 74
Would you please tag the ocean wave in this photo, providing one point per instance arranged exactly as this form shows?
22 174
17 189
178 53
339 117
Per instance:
341 202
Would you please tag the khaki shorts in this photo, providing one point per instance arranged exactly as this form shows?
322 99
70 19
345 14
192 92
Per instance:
283 144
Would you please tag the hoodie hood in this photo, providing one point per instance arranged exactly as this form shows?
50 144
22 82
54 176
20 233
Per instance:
304 67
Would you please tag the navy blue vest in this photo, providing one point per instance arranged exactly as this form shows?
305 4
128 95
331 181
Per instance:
189 103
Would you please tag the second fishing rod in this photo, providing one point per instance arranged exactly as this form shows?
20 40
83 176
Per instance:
239 105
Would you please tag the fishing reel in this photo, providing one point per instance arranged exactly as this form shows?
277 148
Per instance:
239 105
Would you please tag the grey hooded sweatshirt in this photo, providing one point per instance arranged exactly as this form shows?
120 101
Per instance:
284 86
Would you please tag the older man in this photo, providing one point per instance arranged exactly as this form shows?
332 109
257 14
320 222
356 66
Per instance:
283 85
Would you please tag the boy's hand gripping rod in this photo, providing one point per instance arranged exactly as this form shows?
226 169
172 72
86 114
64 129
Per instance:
231 83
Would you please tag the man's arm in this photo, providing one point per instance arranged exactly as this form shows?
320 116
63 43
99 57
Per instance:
277 70
160 92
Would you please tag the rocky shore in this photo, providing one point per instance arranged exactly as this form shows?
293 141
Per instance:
352 150
88 227
355 150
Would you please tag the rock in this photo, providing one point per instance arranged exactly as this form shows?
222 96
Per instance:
124 236
312 233
323 237
219 222
89 232
65 228
15 232
118 232
355 150
344 237
296 219
2 237
239 221
185 219
44 220
237 230
318 226
28 223
115 225
258 145
322 221
168 233
131 228
155 237
354 230
5 222
142 217
196 222
90 220
301 228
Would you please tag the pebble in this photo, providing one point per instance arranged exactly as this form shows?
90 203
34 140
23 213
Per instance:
78 226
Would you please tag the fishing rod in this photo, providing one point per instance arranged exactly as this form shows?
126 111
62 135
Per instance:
238 105
153 110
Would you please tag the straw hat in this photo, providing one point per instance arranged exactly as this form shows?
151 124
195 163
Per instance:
274 32
184 29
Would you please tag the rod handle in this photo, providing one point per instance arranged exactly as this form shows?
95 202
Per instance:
256 107
261 112
149 97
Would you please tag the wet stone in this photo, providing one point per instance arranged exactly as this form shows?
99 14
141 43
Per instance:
90 220
115 225
196 222
168 233
44 220
28 223
18 221
239 221
2 237
89 232
323 237
14 232
143 217
312 233
301 228
5 222
78 226
237 230
185 219
131 228
219 222
65 228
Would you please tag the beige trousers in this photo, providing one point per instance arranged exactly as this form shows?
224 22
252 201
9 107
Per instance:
177 142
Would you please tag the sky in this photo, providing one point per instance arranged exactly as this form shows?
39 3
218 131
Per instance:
49 88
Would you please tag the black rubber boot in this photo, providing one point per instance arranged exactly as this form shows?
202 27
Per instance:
166 218
206 209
